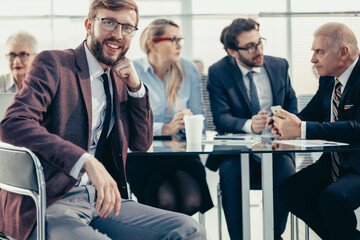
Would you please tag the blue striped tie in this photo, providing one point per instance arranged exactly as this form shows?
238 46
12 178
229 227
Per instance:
335 156
254 100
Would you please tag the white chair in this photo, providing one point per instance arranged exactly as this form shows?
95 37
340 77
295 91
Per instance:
302 100
21 172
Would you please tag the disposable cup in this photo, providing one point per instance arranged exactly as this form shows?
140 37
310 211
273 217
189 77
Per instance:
193 147
193 128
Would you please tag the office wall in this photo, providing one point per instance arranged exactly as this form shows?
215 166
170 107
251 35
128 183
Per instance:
59 24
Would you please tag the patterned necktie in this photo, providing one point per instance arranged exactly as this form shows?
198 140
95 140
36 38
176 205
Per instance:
106 123
254 100
335 157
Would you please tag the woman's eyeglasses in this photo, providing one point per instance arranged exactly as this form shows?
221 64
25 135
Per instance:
174 40
22 55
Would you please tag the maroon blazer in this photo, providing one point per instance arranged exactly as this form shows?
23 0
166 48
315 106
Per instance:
51 116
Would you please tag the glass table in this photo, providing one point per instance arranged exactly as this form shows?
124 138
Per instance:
266 147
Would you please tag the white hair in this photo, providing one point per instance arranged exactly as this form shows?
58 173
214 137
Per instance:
339 35
25 38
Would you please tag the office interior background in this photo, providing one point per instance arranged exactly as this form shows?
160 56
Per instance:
287 25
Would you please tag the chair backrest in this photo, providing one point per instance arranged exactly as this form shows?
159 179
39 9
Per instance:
21 172
206 101
18 167
5 100
303 159
303 100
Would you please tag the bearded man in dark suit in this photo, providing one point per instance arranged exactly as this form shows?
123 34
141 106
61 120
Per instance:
242 86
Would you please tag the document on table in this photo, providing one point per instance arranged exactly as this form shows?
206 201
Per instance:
310 143
234 139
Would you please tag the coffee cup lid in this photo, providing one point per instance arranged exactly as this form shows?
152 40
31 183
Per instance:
197 117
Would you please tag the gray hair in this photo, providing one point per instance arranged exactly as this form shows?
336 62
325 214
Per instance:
339 35
25 38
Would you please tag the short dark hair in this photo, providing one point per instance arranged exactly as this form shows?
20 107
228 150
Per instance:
239 25
112 5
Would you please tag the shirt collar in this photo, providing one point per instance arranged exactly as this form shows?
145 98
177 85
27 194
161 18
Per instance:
147 66
245 71
10 83
344 77
95 68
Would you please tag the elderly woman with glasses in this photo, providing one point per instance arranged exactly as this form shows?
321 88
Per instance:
21 50
176 183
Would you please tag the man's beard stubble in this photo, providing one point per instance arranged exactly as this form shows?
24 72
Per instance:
249 63
97 48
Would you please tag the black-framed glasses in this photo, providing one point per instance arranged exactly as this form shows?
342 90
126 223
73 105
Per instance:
254 47
22 55
173 40
110 25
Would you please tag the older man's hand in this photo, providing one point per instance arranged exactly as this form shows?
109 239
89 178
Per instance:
286 125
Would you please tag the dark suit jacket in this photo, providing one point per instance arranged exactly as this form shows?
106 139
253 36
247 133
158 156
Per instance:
51 116
229 101
347 129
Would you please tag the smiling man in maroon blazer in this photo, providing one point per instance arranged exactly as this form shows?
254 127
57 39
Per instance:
79 111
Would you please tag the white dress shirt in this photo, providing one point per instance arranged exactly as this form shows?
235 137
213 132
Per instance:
263 89
7 84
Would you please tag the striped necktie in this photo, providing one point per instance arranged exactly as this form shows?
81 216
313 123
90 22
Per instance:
335 157
254 100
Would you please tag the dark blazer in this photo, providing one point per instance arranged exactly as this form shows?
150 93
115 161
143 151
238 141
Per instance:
229 101
51 116
347 129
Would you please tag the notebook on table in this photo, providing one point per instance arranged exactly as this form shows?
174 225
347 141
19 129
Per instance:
5 101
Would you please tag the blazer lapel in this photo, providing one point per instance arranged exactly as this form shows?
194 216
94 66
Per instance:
119 99
84 81
237 77
352 80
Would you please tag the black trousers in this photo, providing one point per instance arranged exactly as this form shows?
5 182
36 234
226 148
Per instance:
146 173
230 183
326 206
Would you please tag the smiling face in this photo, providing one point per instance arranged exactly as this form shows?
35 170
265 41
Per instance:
169 51
18 67
244 57
109 46
326 60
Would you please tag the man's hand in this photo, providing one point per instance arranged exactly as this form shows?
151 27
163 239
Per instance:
108 195
176 123
286 125
258 122
127 73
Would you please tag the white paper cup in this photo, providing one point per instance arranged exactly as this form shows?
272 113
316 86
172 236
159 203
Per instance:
193 147
193 128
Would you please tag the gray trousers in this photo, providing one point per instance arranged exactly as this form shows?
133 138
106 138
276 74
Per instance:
75 217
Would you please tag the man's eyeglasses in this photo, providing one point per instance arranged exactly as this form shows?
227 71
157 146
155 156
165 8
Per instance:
110 25
173 40
253 48
22 55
